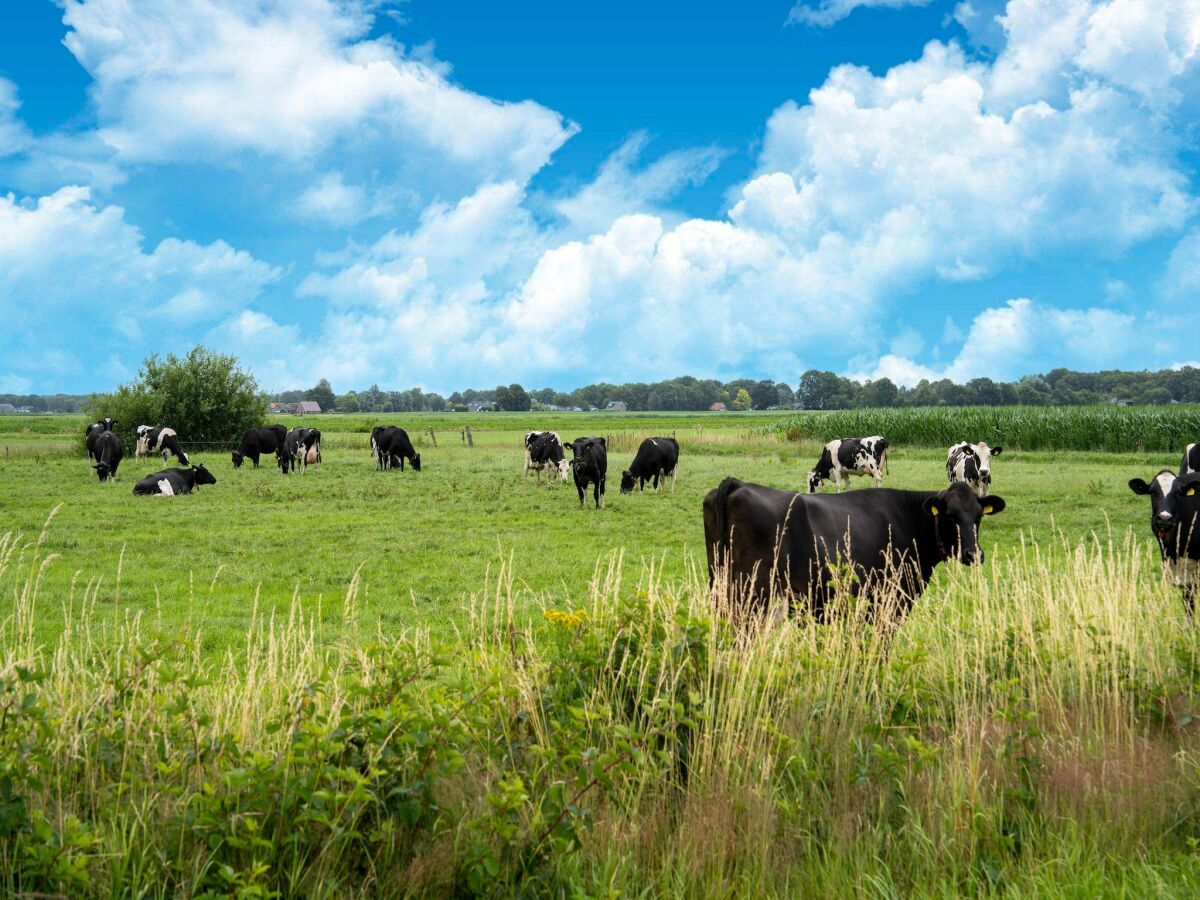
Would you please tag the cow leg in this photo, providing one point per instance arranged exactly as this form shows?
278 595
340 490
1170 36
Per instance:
673 471
878 478
600 489
580 488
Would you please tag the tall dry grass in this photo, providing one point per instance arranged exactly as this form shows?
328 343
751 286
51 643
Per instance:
1029 726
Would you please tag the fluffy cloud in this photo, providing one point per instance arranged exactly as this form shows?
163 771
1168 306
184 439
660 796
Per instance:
830 12
13 136
1182 280
1007 342
69 267
182 79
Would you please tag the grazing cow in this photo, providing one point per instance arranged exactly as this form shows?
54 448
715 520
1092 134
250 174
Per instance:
171 482
850 456
590 466
1174 515
391 446
107 453
770 542
656 460
545 452
301 446
257 441
1191 460
159 439
972 463
94 431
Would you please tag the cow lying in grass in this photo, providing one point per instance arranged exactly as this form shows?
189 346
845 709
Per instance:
171 482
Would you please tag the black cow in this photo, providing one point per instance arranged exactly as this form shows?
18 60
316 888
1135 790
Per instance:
545 451
257 441
159 439
301 446
391 446
850 456
590 466
801 547
170 482
656 460
107 452
1174 511
972 463
94 431
1191 460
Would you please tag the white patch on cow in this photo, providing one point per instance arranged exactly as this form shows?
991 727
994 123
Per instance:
164 487
1187 456
1165 482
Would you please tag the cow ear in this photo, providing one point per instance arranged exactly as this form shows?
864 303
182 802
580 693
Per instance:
996 451
603 443
993 505
932 506
1138 486
569 445
968 450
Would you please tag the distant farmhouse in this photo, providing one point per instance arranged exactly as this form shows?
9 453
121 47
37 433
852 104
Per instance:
308 408
717 407
7 408
615 406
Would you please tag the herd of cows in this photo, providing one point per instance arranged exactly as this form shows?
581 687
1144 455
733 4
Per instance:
764 542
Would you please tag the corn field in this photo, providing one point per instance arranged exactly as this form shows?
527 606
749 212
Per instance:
1112 429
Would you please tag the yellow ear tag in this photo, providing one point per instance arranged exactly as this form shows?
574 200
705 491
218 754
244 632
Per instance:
1190 491
987 510
934 510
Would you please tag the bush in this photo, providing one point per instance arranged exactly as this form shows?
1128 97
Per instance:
204 396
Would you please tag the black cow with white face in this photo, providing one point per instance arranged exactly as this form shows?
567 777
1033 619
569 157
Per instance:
301 448
159 439
655 461
107 452
257 441
844 457
1175 521
545 451
1191 460
773 543
172 482
94 431
589 464
972 463
391 446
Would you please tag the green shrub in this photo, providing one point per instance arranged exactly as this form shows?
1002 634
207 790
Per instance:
204 396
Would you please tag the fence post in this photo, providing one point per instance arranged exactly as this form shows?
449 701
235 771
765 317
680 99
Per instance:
470 437
433 437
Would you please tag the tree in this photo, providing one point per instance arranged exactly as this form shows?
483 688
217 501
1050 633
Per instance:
818 390
204 396
348 403
742 400
513 398
763 394
880 392
784 395
322 393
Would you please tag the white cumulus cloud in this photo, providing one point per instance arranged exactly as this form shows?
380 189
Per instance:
826 13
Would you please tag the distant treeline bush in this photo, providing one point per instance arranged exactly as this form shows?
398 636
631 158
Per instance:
1108 428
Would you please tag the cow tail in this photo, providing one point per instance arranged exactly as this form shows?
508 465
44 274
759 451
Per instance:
721 549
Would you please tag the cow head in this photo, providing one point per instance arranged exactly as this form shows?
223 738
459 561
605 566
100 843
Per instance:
109 423
983 455
203 476
627 482
103 470
956 513
416 462
237 459
1174 509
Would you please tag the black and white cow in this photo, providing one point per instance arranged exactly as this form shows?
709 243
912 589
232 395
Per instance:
301 447
171 482
1191 460
391 446
1175 521
655 460
844 457
544 450
972 463
159 439
772 543
589 464
257 441
94 431
107 452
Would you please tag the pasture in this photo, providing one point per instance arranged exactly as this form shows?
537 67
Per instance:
419 543
362 683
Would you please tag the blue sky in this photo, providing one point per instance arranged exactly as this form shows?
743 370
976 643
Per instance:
453 194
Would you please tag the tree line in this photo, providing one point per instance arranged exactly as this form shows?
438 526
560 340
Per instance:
816 389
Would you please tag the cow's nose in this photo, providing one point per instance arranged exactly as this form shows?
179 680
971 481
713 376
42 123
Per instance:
1164 516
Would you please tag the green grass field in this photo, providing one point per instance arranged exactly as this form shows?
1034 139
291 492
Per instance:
457 682
422 541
